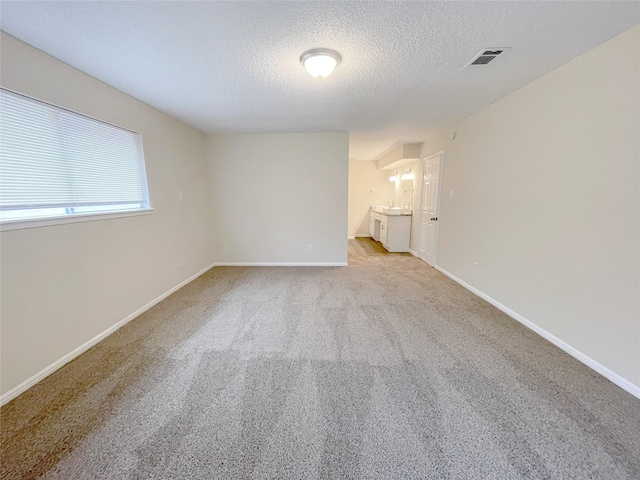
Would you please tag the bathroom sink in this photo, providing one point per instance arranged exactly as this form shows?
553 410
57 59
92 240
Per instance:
396 211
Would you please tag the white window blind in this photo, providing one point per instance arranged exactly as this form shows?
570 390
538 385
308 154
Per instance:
57 162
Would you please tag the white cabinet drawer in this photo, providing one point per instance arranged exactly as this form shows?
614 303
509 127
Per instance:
377 216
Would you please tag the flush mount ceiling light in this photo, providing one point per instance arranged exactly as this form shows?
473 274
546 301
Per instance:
320 62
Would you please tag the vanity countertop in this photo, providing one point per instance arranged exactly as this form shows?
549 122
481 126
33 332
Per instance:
390 211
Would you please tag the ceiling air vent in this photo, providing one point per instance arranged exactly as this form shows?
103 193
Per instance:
486 56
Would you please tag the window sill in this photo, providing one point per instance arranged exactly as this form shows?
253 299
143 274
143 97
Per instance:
77 218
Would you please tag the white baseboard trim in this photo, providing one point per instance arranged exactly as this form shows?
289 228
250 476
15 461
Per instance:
363 235
588 361
281 264
351 237
414 253
45 372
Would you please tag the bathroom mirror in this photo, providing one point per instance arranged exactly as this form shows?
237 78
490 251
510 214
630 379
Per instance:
406 189
400 189
392 186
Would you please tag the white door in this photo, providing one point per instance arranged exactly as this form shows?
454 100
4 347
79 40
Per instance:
429 208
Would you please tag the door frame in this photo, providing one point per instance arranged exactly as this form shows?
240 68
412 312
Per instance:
438 198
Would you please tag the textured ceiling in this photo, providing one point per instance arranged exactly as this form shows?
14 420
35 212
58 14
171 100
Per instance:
234 66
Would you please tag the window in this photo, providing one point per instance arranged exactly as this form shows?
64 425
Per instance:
61 164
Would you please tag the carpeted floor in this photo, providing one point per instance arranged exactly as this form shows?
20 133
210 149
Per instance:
383 369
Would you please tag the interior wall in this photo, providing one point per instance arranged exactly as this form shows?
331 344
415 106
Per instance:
63 285
546 199
278 193
367 186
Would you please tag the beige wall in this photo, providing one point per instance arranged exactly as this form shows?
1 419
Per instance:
277 193
367 186
63 285
546 199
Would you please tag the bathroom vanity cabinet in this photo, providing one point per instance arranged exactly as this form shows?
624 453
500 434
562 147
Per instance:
391 226
374 225
395 231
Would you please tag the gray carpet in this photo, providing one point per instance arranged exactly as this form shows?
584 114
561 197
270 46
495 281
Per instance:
383 369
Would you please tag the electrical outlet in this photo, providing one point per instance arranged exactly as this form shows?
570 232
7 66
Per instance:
475 266
451 194
180 195
309 248
184 261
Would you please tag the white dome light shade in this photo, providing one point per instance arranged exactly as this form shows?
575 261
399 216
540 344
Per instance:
320 62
